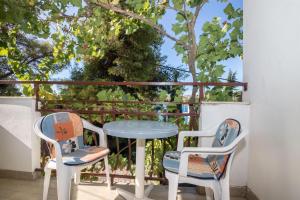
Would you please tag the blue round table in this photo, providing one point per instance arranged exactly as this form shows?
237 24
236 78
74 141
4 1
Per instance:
140 130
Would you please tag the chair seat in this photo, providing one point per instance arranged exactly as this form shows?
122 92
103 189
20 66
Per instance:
198 167
84 155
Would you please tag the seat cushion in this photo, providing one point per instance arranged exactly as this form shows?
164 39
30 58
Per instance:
84 155
198 166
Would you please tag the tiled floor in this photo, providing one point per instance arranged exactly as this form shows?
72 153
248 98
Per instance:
11 189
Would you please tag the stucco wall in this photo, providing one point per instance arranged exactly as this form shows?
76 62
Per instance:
212 115
271 67
19 146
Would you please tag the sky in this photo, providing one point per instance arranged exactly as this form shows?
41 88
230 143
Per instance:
210 10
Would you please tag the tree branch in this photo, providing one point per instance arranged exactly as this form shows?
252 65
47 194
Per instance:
197 11
194 20
182 13
143 19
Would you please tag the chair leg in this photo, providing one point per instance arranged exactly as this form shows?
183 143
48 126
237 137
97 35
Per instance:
217 191
225 189
173 185
107 171
46 182
209 194
63 183
77 176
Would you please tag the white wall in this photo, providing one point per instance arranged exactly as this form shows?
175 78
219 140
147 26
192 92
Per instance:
272 69
19 146
215 113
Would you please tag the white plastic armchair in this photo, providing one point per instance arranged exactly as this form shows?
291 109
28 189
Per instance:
220 187
66 172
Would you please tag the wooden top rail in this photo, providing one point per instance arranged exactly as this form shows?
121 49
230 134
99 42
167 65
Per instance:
129 83
118 112
118 102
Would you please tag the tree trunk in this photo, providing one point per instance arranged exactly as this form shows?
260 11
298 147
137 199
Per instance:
193 108
192 53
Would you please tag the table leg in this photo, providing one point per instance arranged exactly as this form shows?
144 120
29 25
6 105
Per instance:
140 169
140 193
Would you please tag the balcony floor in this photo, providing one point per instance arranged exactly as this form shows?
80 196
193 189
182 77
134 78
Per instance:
11 189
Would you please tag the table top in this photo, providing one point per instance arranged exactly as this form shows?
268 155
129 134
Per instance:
140 129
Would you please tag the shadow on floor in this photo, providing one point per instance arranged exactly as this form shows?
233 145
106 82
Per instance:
11 189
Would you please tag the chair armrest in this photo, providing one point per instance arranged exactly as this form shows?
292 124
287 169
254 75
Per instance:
99 131
186 151
38 132
202 133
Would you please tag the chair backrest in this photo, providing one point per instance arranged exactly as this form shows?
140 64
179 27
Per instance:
62 126
225 135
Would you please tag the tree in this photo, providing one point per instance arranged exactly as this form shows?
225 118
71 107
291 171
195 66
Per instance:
113 47
85 32
219 41
29 59
24 51
130 57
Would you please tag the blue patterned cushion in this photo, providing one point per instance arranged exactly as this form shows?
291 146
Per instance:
197 166
226 133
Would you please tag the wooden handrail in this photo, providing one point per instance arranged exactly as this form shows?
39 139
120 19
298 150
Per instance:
127 83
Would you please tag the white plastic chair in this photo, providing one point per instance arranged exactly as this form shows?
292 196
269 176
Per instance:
64 163
180 172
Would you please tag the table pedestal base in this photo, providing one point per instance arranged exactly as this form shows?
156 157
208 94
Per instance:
131 196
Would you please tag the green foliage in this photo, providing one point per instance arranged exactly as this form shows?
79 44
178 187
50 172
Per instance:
24 15
9 90
224 93
24 48
117 161
158 156
114 95
134 57
219 42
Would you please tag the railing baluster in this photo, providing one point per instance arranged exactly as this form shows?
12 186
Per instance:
101 116
36 87
164 151
117 139
129 155
152 158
